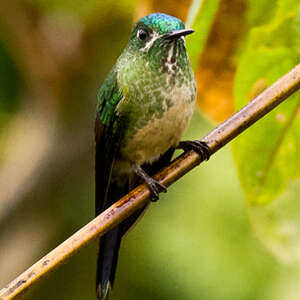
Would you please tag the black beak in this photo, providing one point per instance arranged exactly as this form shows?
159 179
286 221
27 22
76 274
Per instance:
177 34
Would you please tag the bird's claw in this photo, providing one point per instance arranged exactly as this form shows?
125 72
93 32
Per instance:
198 146
155 188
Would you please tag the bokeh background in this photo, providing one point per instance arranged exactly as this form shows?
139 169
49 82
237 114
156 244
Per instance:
199 241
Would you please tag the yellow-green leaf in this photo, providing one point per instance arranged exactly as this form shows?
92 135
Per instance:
266 154
199 18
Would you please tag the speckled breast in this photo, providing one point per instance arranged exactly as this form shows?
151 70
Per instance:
161 131
159 99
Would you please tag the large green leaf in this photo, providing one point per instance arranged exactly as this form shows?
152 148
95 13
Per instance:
267 155
200 18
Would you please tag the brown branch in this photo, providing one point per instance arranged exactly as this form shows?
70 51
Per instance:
138 197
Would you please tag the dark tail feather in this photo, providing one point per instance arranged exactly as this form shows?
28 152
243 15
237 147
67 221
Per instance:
109 246
107 261
110 242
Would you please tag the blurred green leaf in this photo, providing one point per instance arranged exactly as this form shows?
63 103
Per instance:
260 12
266 155
200 18
278 224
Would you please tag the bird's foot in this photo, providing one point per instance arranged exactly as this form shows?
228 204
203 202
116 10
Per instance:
154 186
198 146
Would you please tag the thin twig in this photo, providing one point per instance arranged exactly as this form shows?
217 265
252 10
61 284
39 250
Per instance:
138 197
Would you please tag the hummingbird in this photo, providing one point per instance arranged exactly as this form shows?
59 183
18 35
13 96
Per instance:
144 105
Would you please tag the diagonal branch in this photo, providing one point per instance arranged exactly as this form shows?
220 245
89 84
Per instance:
138 197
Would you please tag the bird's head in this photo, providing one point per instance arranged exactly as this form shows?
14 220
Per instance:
157 31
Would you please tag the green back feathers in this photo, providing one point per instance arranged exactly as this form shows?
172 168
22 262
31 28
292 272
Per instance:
109 96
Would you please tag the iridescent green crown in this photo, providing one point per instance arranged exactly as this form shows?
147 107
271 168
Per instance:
162 23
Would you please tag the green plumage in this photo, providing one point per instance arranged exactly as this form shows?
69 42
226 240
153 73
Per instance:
144 105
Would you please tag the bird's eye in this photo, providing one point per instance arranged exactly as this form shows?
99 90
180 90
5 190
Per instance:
142 34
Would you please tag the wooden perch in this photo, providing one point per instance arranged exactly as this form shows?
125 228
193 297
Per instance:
138 197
